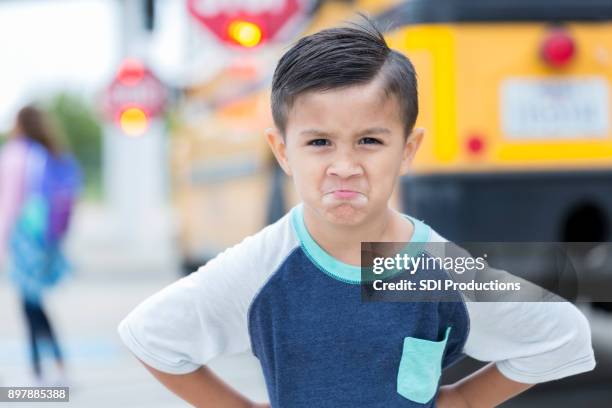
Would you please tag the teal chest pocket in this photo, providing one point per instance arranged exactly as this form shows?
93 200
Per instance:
420 368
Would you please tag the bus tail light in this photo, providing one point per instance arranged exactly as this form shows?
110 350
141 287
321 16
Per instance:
475 144
558 48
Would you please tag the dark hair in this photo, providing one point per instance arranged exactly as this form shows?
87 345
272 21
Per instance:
343 57
36 125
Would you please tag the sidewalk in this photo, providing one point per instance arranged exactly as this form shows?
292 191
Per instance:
101 246
101 370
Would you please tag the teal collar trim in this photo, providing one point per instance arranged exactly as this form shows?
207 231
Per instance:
337 269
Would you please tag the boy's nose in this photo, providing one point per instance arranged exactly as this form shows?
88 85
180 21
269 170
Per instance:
344 167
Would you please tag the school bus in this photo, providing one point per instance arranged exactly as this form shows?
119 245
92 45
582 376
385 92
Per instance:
515 99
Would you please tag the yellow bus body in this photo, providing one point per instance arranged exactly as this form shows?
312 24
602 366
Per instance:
461 68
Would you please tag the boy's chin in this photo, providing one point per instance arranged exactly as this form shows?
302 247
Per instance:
346 213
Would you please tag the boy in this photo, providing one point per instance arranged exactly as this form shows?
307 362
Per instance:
344 108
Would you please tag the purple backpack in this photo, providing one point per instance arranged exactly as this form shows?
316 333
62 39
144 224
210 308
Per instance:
53 184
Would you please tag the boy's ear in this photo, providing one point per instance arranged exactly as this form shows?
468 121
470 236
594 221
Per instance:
279 148
410 148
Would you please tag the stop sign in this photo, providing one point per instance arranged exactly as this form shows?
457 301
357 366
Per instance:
271 16
135 86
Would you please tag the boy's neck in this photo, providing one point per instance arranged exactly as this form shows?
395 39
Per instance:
344 242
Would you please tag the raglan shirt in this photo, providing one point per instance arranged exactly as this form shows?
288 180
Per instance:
300 311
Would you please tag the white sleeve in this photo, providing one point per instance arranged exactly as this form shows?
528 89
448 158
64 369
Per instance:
531 342
196 318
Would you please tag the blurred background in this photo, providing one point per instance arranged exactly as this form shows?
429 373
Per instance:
164 103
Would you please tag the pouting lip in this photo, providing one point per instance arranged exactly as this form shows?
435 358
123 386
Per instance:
343 190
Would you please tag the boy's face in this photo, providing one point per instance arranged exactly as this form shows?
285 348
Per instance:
345 149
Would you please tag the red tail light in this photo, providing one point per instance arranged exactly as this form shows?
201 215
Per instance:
475 144
558 48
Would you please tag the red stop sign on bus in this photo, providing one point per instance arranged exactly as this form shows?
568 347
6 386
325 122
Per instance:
135 86
247 22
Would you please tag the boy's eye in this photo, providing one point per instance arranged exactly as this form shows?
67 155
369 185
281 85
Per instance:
318 142
369 140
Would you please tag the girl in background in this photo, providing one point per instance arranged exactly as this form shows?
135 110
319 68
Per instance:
39 181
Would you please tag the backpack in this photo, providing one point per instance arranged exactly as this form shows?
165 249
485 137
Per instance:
52 184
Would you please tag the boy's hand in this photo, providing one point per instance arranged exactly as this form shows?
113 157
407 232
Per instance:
450 397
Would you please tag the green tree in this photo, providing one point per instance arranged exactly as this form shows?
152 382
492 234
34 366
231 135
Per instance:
82 130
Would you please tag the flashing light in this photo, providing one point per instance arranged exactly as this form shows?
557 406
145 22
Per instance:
245 33
131 72
134 121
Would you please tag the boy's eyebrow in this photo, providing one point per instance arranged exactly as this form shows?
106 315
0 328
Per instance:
374 131
369 131
314 132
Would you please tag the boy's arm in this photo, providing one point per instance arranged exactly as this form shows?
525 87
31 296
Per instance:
484 388
528 343
182 327
202 388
